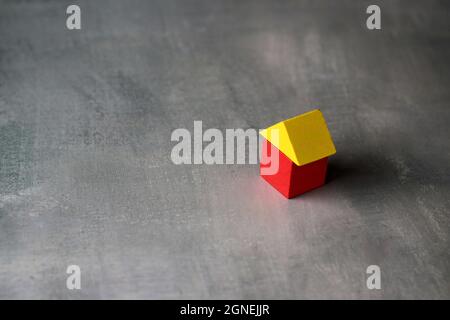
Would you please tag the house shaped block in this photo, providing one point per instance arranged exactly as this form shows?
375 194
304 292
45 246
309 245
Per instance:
301 147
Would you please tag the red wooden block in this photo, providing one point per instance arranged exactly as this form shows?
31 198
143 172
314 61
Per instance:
292 180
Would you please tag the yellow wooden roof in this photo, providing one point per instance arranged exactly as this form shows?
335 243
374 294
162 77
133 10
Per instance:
303 139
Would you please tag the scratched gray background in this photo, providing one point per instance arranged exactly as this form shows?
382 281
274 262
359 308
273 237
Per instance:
85 170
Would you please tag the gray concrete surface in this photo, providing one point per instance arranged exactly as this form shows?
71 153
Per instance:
85 170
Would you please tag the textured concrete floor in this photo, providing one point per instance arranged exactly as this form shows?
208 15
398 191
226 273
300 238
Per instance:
85 170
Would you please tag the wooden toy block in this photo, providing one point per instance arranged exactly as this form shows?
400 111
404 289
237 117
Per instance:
304 145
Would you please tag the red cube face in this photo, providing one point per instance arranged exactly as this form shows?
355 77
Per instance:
292 180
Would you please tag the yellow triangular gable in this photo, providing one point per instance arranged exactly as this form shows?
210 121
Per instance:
303 139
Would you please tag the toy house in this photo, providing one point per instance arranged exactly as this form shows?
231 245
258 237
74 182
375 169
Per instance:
304 145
